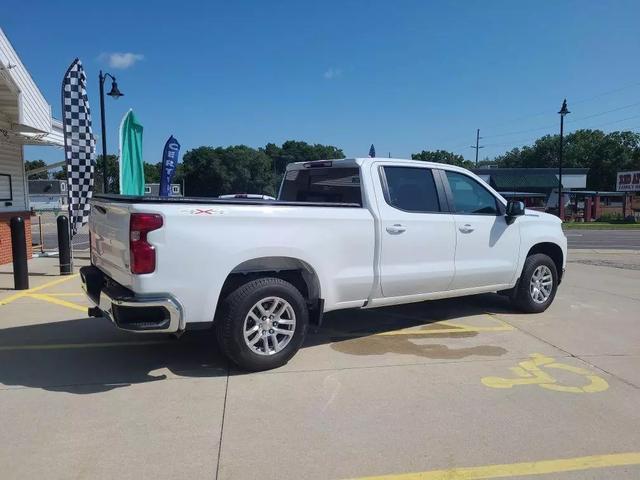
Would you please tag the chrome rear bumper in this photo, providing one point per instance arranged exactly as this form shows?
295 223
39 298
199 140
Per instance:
148 314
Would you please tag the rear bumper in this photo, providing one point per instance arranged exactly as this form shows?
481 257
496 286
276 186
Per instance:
126 310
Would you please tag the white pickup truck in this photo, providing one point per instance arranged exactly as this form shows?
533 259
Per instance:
353 233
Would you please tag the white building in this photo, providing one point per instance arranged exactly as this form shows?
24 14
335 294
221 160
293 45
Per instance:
25 119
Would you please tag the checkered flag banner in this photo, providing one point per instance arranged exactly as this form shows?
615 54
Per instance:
79 144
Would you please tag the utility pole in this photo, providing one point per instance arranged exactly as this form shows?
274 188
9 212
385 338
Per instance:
477 147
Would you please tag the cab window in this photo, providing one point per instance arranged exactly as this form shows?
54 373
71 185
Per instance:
470 197
328 185
411 189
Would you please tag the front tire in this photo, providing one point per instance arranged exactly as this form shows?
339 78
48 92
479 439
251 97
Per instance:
262 324
538 284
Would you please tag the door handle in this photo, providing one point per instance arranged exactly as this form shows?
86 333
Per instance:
466 228
396 229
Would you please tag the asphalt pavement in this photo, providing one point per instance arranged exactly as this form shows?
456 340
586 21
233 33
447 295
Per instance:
604 239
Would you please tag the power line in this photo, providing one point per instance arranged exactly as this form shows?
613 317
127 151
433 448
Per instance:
615 121
600 95
573 102
523 142
514 142
546 112
606 111
599 114
521 131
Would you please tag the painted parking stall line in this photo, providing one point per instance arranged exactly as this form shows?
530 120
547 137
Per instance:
543 467
75 346
431 327
25 293
38 294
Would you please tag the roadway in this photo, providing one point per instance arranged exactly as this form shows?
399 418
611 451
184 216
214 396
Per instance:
604 239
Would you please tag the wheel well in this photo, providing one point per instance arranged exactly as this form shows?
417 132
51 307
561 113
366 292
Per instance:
292 270
553 251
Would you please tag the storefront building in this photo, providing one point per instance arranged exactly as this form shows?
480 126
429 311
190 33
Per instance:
25 119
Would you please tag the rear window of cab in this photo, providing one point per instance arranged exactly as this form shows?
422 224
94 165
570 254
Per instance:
326 185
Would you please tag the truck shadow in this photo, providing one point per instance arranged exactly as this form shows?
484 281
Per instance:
375 332
85 356
88 355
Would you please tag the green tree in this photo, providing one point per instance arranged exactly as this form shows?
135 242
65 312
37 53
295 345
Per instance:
33 164
113 183
603 154
442 156
152 172
486 162
296 151
209 172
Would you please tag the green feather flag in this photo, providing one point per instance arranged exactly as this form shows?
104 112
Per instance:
131 163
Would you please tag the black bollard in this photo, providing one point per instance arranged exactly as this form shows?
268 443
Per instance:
64 246
19 250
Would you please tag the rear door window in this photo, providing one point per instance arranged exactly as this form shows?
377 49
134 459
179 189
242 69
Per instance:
411 189
328 185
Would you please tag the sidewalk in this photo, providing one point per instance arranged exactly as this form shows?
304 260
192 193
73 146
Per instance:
43 272
46 287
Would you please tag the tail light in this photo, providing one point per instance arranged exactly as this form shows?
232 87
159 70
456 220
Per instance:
143 254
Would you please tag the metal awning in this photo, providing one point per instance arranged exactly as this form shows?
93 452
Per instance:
18 134
25 115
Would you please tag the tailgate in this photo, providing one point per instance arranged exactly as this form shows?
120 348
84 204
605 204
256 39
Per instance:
109 229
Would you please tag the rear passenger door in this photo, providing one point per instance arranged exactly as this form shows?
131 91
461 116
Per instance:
418 235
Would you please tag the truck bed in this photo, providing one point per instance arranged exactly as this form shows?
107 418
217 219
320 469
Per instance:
203 240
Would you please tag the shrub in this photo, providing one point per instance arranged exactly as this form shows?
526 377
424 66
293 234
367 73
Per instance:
616 218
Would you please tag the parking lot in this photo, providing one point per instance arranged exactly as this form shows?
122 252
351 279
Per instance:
456 389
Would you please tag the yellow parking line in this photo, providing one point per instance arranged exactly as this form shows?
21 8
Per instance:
520 469
452 328
78 294
58 301
30 291
65 346
424 330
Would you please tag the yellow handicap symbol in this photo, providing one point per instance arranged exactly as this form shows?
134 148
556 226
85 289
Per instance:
529 372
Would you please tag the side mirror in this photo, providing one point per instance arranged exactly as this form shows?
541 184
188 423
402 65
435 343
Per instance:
514 209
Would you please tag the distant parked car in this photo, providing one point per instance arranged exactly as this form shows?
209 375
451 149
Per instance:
247 196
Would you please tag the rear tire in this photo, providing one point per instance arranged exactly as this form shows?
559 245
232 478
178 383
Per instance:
262 324
538 284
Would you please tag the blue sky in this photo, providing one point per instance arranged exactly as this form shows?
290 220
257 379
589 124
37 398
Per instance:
405 75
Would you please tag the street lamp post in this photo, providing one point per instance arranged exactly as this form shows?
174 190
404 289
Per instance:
563 111
115 93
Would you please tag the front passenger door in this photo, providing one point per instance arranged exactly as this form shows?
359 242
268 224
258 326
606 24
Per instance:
487 246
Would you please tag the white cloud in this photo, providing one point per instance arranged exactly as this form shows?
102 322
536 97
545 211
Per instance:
121 60
332 73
